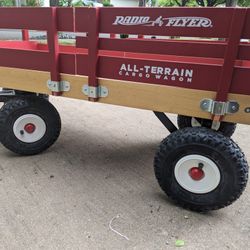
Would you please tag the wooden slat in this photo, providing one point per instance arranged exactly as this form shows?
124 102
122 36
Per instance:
130 94
163 47
169 99
244 52
246 31
211 49
67 63
82 21
65 19
20 45
231 53
116 20
25 59
27 80
25 18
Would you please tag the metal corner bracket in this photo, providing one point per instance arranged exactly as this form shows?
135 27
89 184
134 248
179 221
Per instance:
58 86
95 92
219 108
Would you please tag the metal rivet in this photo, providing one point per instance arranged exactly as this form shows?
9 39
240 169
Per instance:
247 110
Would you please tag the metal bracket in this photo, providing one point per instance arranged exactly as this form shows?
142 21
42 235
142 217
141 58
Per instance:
61 86
219 108
95 92
7 92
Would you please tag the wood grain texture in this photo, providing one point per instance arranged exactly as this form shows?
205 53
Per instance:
130 94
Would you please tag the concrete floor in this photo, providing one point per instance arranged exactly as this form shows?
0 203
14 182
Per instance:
100 167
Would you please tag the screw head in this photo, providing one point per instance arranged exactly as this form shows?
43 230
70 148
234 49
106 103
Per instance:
247 110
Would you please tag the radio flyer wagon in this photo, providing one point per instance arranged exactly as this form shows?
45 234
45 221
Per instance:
202 74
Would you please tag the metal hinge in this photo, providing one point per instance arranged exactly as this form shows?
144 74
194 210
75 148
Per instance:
95 92
219 108
61 86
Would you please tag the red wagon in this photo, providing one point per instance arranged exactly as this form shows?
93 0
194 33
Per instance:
194 62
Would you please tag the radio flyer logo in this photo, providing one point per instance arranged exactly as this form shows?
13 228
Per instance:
200 22
155 72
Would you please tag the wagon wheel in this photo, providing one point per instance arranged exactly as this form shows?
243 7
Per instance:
201 169
226 128
29 125
17 93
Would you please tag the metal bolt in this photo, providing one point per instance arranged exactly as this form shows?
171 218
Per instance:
247 110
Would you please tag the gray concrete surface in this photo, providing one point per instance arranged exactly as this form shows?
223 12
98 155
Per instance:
101 167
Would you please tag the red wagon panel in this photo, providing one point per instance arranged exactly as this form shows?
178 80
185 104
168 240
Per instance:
190 22
217 60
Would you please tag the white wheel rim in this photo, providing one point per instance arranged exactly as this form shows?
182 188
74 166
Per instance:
23 135
207 184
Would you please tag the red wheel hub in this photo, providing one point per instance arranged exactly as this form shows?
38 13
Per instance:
30 128
196 173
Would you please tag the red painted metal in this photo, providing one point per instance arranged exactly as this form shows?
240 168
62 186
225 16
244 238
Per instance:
210 64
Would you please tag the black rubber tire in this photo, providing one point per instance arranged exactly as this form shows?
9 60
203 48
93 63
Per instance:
17 107
221 150
226 128
19 93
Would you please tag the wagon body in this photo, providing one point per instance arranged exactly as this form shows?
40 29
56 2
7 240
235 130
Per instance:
206 58
194 62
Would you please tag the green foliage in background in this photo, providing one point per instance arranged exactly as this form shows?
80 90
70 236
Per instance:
34 2
165 3
106 3
210 3
65 3
202 3
244 3
28 3
7 3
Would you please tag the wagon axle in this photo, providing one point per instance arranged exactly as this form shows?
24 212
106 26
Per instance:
29 128
196 173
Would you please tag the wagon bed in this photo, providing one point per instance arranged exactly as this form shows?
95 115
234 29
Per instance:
167 75
194 62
